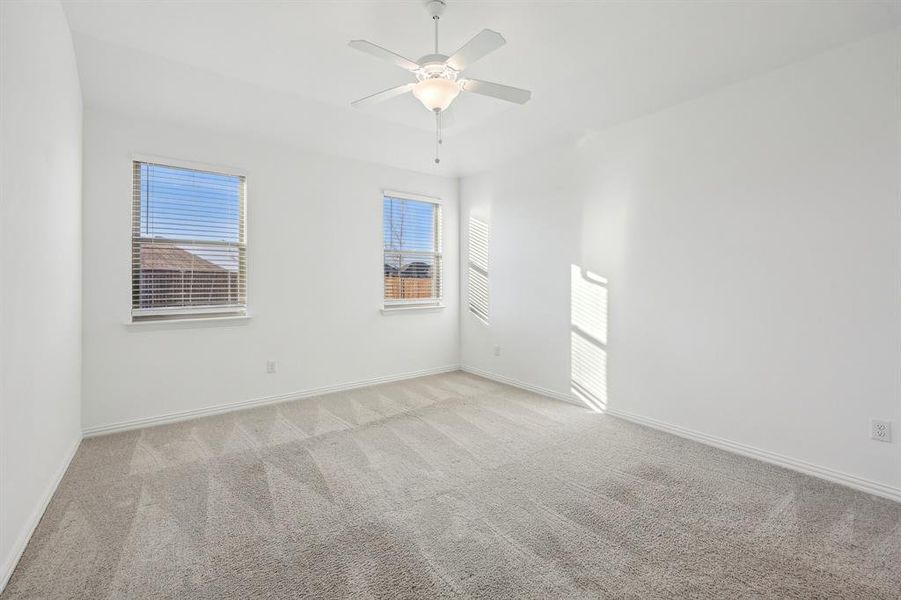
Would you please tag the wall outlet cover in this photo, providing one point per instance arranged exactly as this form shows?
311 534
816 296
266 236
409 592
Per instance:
881 430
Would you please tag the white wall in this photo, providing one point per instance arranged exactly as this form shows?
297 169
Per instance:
314 280
40 265
751 239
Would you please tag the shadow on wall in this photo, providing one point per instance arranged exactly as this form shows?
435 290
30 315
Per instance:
588 338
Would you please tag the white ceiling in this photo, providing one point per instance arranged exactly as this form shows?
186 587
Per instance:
283 70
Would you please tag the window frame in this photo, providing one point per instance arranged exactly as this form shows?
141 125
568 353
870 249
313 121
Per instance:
438 224
187 313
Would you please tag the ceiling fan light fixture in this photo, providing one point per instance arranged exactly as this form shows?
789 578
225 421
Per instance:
436 93
436 74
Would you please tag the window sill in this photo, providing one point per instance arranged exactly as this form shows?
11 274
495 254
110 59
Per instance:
402 308
222 321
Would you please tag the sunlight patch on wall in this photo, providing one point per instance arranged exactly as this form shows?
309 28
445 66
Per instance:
588 338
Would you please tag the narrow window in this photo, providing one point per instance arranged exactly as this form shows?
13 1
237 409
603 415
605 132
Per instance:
412 251
478 268
188 243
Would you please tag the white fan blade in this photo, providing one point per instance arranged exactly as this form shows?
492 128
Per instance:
496 90
383 95
484 42
384 54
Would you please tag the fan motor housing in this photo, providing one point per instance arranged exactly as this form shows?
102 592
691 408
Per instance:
432 60
434 66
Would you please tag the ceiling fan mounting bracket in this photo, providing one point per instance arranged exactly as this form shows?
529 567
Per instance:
435 8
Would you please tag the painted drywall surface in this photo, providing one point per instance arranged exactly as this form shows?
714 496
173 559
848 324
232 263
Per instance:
40 262
751 239
605 62
315 273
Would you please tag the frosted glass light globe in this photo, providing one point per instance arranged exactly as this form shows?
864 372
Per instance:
436 94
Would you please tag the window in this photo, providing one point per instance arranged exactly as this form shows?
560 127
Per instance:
412 240
478 268
188 243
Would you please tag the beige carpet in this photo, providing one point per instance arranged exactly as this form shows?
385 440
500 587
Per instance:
440 487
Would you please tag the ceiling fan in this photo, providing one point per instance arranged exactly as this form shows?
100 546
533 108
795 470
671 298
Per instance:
437 75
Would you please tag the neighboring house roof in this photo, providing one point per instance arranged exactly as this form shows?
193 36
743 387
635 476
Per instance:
417 269
167 257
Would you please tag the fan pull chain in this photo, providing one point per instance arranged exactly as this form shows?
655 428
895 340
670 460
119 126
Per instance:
438 140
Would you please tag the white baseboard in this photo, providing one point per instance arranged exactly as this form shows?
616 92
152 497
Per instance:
522 385
185 415
795 464
19 547
788 462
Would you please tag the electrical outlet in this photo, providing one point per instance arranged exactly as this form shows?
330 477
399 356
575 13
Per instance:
497 350
271 366
881 430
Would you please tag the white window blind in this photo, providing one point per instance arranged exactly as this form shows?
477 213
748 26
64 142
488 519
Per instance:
188 243
478 268
412 256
